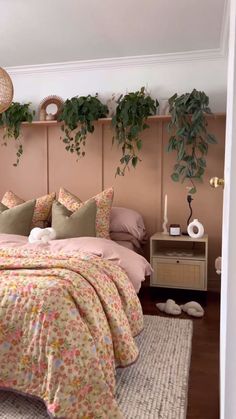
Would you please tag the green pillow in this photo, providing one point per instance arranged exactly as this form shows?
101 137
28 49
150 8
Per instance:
17 220
69 224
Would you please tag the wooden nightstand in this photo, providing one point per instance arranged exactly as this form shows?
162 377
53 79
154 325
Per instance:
179 262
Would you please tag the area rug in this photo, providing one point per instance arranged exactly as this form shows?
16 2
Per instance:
155 387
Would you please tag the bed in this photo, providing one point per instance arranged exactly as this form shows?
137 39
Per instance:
69 313
66 321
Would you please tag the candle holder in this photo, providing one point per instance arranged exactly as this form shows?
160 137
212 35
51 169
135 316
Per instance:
164 225
165 219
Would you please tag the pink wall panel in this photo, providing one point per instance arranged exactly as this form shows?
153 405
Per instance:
140 188
30 177
82 177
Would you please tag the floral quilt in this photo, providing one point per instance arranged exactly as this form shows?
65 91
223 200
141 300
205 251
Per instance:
66 322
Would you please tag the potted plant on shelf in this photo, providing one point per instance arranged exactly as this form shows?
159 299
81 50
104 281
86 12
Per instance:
78 115
11 121
190 138
129 121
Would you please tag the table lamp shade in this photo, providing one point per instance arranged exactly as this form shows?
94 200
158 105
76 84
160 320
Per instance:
6 90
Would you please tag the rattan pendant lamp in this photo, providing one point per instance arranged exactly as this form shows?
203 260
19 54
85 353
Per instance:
6 90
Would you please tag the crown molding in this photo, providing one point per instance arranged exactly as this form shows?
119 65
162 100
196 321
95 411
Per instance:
119 62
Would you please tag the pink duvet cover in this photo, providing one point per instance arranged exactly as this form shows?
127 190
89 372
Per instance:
135 265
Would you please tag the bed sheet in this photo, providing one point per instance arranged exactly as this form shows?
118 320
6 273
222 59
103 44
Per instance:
135 265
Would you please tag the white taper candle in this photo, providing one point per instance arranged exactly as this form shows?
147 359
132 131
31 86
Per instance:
165 207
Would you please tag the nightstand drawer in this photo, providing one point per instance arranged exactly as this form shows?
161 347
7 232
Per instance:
178 273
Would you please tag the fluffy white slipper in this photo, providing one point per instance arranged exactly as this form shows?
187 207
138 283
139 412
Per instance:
170 307
193 309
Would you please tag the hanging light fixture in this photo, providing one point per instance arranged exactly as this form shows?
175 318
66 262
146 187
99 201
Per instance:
6 90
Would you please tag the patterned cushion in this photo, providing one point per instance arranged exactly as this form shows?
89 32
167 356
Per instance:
11 200
103 201
70 201
42 211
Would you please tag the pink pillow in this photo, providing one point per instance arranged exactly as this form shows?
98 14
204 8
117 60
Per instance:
128 221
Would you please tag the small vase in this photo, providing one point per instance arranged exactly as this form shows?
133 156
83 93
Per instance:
50 117
200 229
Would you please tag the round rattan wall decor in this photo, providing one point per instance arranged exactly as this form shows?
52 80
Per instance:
44 115
6 90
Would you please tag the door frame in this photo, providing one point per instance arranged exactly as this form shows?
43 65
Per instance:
228 279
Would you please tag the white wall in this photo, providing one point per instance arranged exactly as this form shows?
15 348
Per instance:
162 78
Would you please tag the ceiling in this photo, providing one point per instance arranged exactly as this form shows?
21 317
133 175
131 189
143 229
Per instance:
51 31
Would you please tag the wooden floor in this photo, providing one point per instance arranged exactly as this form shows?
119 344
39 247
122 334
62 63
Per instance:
203 396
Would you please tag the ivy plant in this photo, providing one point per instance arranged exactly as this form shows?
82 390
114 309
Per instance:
189 136
78 115
11 120
129 121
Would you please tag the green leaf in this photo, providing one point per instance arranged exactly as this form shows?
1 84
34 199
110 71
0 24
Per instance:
202 162
127 158
200 172
134 130
181 151
134 161
211 139
139 144
179 168
175 177
181 131
78 136
203 147
119 172
172 144
192 191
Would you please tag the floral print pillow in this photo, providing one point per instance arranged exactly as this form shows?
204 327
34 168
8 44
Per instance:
104 203
42 211
11 200
70 201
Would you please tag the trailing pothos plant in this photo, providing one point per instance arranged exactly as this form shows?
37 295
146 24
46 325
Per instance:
11 120
129 121
78 115
189 136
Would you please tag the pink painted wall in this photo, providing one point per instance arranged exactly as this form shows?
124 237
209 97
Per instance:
45 166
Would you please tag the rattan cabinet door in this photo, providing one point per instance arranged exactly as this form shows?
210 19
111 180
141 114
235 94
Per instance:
178 273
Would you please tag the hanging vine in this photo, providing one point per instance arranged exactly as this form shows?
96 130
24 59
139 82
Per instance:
11 120
129 121
78 115
190 138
